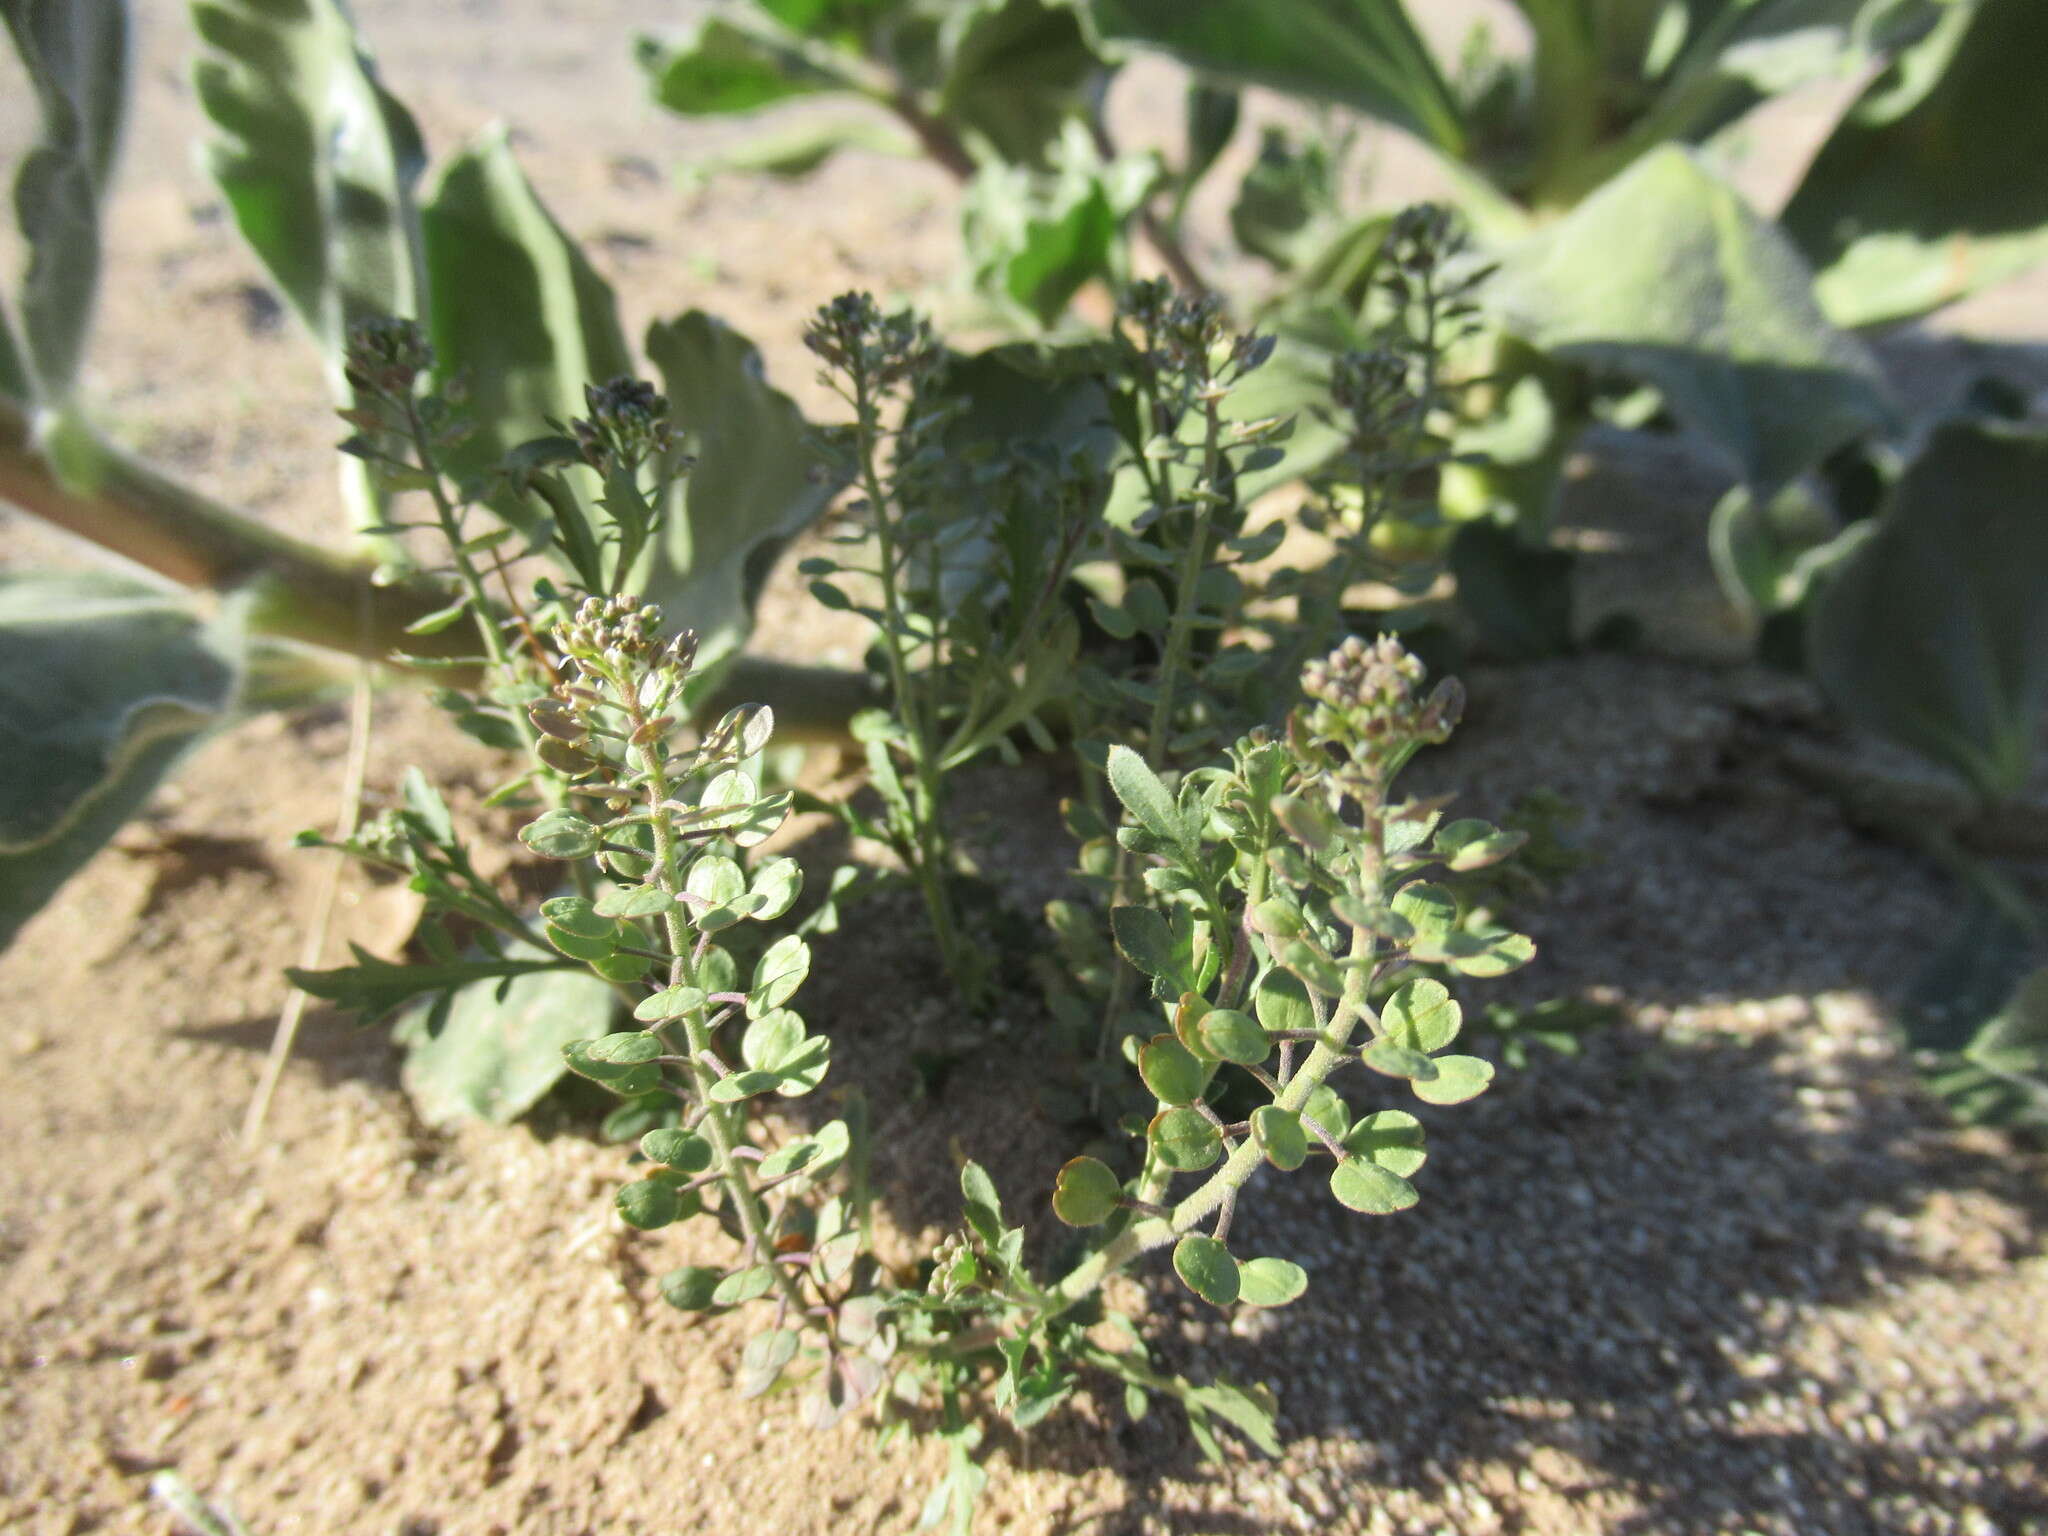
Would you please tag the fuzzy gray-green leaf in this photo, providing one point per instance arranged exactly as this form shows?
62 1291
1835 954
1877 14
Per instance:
106 683
1665 275
1144 796
1934 632
316 159
1935 182
757 480
514 307
76 55
1362 54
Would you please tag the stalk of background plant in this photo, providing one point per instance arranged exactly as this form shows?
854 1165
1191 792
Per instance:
307 594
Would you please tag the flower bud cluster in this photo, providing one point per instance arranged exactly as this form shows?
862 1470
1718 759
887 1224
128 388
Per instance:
1366 701
947 1266
619 628
628 424
852 335
386 356
1190 334
1424 237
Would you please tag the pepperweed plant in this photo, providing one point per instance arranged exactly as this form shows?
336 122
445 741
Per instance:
964 557
1294 965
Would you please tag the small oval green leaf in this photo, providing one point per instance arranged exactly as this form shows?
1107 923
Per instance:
1207 1268
1282 1002
1392 1139
691 1288
561 835
1279 1136
1367 1187
648 1204
1422 1016
1086 1194
1184 1139
673 1147
1235 1036
1458 1078
1270 1282
1171 1071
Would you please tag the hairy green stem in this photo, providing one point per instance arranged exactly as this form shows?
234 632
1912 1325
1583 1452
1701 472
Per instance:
1179 633
113 500
1141 1237
918 714
725 1137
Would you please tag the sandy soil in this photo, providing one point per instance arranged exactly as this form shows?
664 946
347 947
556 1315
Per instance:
1726 1272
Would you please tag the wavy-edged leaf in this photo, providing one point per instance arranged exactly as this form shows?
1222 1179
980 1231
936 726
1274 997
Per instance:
1667 276
1364 54
1935 183
1015 71
1934 630
317 160
374 987
756 483
318 163
105 683
76 55
514 308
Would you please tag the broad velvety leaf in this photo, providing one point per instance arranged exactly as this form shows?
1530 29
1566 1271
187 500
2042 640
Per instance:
1731 55
1766 554
755 485
731 62
316 159
318 163
1935 184
104 682
1364 54
515 307
1666 276
1934 631
486 1056
1015 70
76 55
